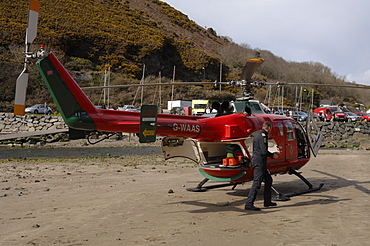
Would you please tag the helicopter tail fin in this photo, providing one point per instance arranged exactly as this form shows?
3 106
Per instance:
71 101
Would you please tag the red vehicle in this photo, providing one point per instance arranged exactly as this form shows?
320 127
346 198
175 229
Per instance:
202 139
330 114
365 116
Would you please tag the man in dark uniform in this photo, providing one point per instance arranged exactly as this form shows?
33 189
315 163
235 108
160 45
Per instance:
259 162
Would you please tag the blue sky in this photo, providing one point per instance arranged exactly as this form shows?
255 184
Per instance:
335 33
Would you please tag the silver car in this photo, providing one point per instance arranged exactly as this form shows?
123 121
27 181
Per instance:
352 117
39 109
128 108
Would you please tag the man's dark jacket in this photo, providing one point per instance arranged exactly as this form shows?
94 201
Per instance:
260 149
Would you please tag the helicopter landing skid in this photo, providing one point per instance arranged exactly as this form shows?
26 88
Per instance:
285 197
201 188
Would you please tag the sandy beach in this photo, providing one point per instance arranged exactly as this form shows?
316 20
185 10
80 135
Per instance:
140 199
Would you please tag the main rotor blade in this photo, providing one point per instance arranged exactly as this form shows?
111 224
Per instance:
156 84
356 86
224 83
250 67
33 15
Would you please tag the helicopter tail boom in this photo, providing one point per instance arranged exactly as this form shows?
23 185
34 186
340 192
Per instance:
79 113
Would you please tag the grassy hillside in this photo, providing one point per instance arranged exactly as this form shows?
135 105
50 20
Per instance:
91 35
117 33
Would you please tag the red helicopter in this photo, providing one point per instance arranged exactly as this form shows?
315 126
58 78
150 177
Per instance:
220 145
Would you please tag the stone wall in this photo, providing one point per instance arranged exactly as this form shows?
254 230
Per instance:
345 134
10 123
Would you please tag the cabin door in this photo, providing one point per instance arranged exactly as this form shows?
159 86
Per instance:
291 151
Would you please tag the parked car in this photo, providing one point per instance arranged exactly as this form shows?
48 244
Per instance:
339 116
128 108
299 116
330 114
39 109
352 117
364 116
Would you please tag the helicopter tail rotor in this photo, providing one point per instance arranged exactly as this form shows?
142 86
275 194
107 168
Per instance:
22 80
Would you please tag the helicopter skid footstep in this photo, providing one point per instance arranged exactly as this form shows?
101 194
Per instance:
285 197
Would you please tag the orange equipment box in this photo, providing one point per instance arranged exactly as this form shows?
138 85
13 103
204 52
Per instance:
230 161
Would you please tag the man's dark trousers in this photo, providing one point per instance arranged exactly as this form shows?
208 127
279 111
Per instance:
260 174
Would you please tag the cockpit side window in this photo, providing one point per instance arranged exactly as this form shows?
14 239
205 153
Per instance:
290 131
281 129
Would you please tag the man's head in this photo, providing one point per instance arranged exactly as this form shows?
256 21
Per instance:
267 126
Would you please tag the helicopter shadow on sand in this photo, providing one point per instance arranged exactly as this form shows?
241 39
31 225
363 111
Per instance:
238 205
337 182
334 182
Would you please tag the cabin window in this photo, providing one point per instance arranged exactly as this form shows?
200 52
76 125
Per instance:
290 131
281 129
